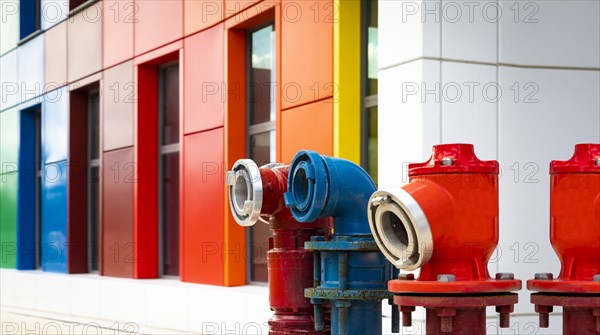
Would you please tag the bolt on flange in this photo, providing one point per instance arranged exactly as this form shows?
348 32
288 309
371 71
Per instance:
446 278
505 276
544 276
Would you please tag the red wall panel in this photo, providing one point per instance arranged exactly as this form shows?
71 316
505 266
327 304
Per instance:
307 127
201 14
203 80
307 52
117 103
118 20
118 176
202 230
157 23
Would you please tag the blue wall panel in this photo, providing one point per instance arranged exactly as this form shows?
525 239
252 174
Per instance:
54 217
55 126
26 229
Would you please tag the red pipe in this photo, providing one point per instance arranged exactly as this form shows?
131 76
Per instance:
290 266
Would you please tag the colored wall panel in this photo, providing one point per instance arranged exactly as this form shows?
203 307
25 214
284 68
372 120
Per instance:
233 7
118 21
9 144
203 80
26 217
9 94
8 220
9 25
53 12
54 217
55 125
347 77
55 47
31 68
307 76
117 248
9 140
203 190
84 37
201 14
307 127
118 102
157 24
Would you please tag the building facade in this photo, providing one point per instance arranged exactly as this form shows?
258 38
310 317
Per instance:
119 119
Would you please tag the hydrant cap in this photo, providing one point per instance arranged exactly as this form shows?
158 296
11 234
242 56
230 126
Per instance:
453 158
307 186
586 159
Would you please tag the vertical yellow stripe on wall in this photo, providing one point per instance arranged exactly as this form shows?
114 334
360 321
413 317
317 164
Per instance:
346 75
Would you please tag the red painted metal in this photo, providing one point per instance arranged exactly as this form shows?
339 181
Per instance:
290 265
460 200
575 237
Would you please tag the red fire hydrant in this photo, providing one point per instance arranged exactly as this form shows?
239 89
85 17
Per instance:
575 237
257 195
445 222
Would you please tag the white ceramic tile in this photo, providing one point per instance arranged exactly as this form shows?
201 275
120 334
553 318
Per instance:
9 86
408 30
122 300
409 117
85 295
52 292
166 305
469 102
554 110
470 30
554 33
53 12
31 68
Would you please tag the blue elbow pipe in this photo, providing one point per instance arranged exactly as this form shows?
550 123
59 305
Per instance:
350 271
321 186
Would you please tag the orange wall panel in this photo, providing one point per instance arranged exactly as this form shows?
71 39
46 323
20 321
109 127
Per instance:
307 51
118 20
117 103
204 80
202 230
233 7
84 36
307 127
55 47
158 22
201 14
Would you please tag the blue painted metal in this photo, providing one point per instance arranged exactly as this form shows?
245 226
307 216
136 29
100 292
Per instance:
54 217
26 229
27 18
349 269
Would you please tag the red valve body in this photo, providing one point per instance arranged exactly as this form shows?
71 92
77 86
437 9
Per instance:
458 194
575 237
290 266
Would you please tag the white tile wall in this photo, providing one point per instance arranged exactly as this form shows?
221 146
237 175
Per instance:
470 30
409 117
31 68
469 115
408 30
551 33
166 305
9 87
531 135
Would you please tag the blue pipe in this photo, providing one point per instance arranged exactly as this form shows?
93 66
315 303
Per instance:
350 271
321 186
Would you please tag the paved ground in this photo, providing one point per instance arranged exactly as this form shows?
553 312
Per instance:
20 324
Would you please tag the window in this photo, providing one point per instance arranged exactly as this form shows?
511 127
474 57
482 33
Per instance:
30 17
93 105
168 113
260 107
369 87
